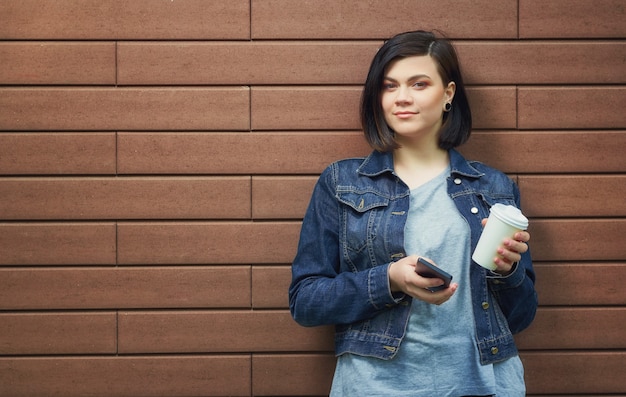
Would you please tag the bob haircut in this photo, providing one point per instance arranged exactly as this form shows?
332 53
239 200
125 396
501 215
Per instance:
457 123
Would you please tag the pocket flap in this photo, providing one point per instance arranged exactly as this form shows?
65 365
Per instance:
362 201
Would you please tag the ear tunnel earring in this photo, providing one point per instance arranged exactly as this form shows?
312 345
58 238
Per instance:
447 107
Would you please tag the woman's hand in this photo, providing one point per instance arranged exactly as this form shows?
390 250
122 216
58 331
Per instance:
403 278
510 251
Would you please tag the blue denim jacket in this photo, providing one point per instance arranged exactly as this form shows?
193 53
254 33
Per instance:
354 228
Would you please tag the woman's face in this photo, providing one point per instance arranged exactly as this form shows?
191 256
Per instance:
413 97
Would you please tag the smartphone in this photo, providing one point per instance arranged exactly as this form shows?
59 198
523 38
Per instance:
426 269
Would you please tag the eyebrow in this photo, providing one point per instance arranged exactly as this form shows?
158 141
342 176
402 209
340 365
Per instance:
415 77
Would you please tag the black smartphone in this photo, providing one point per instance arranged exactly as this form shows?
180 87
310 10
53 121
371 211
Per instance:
426 269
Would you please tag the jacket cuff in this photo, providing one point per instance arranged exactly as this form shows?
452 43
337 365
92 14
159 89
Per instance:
379 290
513 279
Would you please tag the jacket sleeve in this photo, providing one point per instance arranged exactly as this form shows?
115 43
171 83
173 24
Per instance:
322 293
516 292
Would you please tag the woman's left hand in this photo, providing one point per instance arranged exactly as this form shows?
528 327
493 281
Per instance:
510 251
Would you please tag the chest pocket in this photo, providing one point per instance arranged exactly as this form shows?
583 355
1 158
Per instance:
363 215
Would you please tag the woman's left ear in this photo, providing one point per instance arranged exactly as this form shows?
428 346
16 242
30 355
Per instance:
450 90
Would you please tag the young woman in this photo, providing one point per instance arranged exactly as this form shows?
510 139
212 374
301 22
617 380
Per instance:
370 219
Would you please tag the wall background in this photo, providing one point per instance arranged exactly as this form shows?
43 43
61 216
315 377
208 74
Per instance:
156 158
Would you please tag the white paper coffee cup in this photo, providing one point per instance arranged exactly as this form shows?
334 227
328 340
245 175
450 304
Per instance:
504 221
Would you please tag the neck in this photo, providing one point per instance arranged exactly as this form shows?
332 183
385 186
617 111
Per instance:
418 165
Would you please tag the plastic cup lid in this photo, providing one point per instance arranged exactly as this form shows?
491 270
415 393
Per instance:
510 214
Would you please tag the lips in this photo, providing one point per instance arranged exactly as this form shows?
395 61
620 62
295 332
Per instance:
404 114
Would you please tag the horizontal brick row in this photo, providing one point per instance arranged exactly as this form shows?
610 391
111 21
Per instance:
571 18
566 328
309 108
205 242
249 153
569 107
263 287
580 284
283 19
573 195
264 374
480 19
285 153
549 152
201 331
277 197
86 288
171 375
573 373
58 333
58 153
578 239
299 63
57 63
209 331
58 243
125 19
126 198
128 108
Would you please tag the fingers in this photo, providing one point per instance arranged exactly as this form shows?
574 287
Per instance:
438 297
511 251
402 277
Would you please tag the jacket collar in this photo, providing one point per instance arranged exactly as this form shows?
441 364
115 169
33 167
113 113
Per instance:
380 162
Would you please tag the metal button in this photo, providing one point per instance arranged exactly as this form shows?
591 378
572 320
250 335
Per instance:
457 181
494 350
474 210
485 305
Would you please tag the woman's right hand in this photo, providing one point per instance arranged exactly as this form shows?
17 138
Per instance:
403 278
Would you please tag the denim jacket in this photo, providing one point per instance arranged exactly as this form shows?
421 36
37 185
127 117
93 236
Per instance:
354 228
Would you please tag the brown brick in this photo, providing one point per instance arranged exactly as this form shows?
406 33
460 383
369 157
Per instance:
57 63
329 19
577 240
57 244
57 153
126 376
58 333
125 198
218 332
548 152
125 19
270 285
244 62
281 197
245 153
580 284
571 19
571 107
292 375
575 328
124 108
542 62
492 107
570 373
207 242
573 195
127 288
287 108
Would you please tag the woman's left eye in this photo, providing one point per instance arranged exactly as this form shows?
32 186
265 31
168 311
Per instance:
420 84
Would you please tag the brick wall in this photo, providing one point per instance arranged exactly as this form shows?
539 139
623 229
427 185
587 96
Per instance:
156 158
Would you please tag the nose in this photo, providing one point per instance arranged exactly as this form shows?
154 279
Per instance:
403 96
